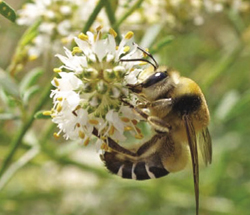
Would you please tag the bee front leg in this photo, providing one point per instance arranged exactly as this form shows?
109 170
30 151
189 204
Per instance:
160 108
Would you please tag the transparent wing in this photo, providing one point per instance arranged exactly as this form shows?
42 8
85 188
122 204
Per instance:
205 144
191 135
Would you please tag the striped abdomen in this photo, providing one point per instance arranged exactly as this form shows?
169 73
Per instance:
138 170
146 163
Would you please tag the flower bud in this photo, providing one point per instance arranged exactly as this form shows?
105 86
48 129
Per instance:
88 87
101 87
119 72
90 73
109 75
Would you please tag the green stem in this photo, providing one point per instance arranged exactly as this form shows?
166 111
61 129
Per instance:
94 14
127 14
110 12
17 140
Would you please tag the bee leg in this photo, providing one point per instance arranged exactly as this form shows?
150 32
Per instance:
160 105
159 125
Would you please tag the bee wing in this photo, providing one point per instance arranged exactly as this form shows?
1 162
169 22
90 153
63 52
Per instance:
205 144
191 135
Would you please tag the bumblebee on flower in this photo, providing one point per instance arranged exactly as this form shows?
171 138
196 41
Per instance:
91 83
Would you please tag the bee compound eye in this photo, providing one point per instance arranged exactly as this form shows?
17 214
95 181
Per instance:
153 79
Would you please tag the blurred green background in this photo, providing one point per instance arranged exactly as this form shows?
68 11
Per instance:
58 177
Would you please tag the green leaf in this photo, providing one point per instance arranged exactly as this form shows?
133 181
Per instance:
29 93
150 35
8 116
162 43
8 84
7 11
30 79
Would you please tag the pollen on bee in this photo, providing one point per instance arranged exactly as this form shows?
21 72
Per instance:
129 35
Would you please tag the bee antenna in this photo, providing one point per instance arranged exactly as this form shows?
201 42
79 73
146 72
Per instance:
138 59
148 54
155 65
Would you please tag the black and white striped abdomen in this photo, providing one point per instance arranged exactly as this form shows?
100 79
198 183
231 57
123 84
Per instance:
134 168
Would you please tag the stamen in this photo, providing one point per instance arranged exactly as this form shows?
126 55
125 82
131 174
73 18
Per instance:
125 119
86 142
76 50
56 81
83 36
59 107
47 113
93 122
57 70
128 128
139 136
126 49
56 135
129 35
113 32
81 134
112 130
134 121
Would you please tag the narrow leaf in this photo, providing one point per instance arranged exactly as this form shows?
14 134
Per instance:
7 11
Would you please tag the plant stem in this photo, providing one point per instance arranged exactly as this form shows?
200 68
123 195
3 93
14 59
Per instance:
110 12
94 14
17 140
128 13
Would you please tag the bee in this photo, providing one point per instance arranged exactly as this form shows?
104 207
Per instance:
179 115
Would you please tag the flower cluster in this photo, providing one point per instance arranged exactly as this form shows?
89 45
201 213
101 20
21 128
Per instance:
91 86
175 13
57 22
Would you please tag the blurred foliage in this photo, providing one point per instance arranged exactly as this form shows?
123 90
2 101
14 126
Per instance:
53 176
